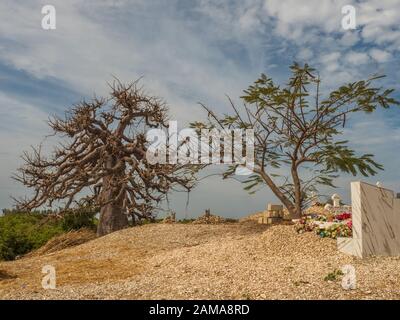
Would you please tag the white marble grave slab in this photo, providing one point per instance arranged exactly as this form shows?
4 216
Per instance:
376 222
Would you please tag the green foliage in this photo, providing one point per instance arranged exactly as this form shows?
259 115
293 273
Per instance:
78 219
23 232
251 182
338 157
304 126
334 275
297 129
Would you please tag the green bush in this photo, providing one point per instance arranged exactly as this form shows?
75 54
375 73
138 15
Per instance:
333 276
78 219
22 232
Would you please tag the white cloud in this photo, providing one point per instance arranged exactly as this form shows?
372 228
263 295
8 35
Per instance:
380 55
89 47
22 126
250 21
295 16
349 39
357 57
379 21
331 61
305 54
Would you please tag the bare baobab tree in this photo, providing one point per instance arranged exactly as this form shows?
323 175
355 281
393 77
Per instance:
104 163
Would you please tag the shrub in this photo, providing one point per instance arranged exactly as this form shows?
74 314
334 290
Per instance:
333 276
78 219
22 232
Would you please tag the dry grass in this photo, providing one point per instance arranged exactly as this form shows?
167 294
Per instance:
5 275
186 261
63 241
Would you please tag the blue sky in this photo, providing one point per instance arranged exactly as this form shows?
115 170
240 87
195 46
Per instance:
190 51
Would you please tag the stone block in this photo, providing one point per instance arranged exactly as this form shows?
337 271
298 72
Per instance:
274 207
273 220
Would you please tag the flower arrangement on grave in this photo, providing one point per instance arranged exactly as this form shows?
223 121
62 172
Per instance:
316 217
305 224
334 231
326 225
343 216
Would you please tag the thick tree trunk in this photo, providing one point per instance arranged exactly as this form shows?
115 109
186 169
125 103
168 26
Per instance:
112 215
286 202
112 218
297 193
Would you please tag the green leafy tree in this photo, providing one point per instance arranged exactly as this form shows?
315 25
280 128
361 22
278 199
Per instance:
297 130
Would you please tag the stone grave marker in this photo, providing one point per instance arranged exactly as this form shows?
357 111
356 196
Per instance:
273 214
376 222
336 200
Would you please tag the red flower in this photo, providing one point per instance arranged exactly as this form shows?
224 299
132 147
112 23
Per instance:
343 216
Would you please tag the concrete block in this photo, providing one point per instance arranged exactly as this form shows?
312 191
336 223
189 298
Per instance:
274 207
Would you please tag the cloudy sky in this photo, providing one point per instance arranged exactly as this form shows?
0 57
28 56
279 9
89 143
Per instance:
189 52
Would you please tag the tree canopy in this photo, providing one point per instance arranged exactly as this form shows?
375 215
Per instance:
297 132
